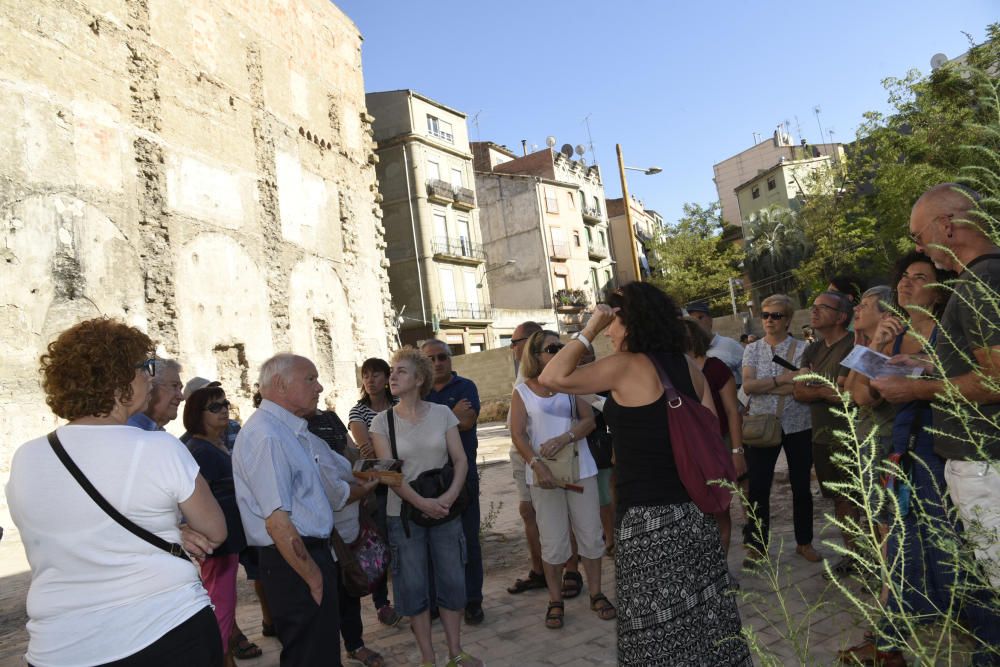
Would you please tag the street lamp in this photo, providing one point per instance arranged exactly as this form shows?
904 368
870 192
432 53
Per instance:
649 171
498 266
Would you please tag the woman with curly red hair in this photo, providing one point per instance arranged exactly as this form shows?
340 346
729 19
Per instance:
99 592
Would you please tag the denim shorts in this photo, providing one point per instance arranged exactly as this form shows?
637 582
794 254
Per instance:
440 549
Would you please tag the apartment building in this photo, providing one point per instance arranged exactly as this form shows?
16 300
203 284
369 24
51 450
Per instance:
645 224
785 185
546 212
437 262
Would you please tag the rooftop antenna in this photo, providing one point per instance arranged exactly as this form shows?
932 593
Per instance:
475 121
817 110
590 138
798 127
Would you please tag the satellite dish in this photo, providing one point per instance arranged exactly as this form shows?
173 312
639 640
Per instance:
583 162
938 60
580 149
550 141
567 150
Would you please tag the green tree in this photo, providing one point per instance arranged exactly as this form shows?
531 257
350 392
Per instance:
776 243
691 259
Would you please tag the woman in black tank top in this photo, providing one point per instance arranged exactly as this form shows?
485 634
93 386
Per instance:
664 543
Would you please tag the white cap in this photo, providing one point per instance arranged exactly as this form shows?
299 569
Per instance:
196 383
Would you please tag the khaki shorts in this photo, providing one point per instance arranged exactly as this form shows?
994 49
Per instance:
558 511
517 466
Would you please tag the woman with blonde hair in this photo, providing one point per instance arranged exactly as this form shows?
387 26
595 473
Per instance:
425 436
542 424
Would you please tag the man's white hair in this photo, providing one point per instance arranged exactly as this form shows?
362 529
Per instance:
280 365
161 365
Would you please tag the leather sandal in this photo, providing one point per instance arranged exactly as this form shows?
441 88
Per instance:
572 584
367 657
532 581
553 620
602 605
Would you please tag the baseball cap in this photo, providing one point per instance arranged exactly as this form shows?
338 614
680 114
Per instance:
196 383
698 307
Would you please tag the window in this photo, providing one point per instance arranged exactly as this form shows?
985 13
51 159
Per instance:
755 192
471 293
440 226
604 239
583 200
597 205
572 201
465 236
447 280
559 243
771 184
440 129
433 171
607 278
560 283
456 178
551 203
576 239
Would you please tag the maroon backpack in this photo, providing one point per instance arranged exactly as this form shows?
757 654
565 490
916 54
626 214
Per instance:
700 453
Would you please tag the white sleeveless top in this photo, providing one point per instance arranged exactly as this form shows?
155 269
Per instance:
548 418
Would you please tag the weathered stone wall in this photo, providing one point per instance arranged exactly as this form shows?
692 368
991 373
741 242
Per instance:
203 170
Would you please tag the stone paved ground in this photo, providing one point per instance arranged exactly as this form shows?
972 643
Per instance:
513 633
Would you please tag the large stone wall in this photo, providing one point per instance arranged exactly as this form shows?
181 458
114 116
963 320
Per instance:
203 170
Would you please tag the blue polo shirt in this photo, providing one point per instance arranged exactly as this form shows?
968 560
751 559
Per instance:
450 394
143 421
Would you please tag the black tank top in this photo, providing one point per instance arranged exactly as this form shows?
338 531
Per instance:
644 458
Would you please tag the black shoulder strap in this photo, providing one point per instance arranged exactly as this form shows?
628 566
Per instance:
392 433
95 495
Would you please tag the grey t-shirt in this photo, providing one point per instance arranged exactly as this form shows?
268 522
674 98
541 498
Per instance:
971 321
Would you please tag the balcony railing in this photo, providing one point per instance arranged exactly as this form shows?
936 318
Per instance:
591 213
460 249
569 299
465 312
441 134
440 191
465 198
596 250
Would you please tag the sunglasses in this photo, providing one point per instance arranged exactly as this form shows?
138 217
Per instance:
217 407
554 348
148 365
772 316
438 357
515 341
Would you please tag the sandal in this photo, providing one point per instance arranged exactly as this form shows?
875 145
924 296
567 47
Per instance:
572 584
244 649
267 629
365 656
602 605
553 620
533 580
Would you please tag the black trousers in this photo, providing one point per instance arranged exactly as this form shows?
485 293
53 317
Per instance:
351 627
194 642
760 462
308 633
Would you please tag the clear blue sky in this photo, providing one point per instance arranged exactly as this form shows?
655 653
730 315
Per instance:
680 85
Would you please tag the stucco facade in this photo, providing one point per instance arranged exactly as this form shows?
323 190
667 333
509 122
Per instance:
434 245
646 223
547 212
201 170
784 185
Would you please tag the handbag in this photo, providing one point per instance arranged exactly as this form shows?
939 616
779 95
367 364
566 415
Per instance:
352 576
565 465
371 552
170 547
428 484
765 430
700 454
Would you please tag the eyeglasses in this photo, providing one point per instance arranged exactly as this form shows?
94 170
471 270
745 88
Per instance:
148 365
217 407
515 341
439 357
816 308
554 348
772 316
916 237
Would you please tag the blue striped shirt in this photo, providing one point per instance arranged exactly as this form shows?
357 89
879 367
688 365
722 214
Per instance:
275 466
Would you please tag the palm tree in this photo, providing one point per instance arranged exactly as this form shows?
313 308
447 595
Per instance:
775 244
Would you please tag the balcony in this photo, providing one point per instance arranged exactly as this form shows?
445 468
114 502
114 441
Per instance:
559 251
459 250
465 199
569 300
439 192
596 250
591 214
441 134
464 313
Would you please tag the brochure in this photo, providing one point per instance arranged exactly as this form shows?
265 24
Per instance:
873 364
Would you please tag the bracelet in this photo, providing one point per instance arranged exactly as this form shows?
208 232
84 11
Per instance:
571 436
531 463
586 341
738 451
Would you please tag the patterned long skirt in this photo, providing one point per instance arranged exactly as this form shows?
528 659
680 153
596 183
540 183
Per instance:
676 602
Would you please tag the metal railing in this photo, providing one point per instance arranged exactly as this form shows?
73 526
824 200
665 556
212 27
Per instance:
457 247
595 248
591 212
464 311
441 134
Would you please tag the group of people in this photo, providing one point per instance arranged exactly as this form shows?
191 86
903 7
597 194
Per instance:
134 537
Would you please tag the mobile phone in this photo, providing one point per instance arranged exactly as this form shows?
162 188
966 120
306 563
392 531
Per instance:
783 363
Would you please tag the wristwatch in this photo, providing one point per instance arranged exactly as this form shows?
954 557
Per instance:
738 451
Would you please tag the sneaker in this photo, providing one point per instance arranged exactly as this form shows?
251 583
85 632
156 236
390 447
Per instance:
387 616
463 659
474 613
